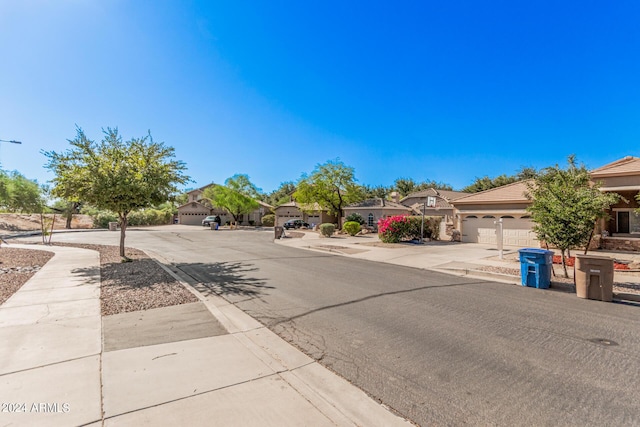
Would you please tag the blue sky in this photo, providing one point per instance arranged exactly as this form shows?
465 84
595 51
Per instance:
444 91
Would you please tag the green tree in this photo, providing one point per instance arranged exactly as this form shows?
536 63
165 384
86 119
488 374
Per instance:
20 194
238 196
281 195
566 206
406 186
182 198
115 175
486 183
379 191
331 185
67 209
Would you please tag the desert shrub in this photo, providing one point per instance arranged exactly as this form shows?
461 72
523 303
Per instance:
269 220
355 217
101 219
327 229
150 217
431 227
351 227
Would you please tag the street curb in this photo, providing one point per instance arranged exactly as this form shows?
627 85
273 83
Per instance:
333 396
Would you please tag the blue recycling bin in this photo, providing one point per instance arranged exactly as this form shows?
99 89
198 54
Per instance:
535 267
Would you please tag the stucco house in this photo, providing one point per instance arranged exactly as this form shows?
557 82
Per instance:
371 210
623 227
314 215
196 209
443 207
475 216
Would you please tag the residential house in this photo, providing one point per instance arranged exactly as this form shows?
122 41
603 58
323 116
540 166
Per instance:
196 209
371 210
477 213
623 226
313 215
442 208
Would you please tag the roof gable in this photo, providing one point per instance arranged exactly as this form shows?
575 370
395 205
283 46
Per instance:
378 202
444 194
627 166
510 193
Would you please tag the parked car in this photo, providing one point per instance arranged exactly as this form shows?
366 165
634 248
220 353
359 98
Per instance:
208 220
295 223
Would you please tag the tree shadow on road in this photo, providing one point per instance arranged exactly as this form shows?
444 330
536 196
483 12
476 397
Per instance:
226 279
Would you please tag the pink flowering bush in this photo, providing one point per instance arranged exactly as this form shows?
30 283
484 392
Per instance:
394 228
402 227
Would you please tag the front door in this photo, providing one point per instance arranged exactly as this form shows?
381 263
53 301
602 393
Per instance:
623 222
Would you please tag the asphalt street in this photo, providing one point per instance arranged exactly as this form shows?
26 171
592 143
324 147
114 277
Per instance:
438 349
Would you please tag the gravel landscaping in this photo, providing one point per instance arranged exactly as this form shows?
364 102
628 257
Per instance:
125 286
17 266
618 287
137 285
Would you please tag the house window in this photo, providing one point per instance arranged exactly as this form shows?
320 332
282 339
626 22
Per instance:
627 221
506 216
370 221
471 216
488 216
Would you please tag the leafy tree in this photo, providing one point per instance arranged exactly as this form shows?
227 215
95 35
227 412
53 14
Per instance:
331 185
4 189
182 198
355 217
281 195
20 194
379 191
115 175
566 206
406 186
67 209
238 196
486 183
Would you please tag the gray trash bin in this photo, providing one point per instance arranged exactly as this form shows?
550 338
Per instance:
594 277
113 226
279 231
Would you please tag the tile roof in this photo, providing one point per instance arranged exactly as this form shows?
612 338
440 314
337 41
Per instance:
314 207
201 188
440 203
446 194
377 202
510 193
626 166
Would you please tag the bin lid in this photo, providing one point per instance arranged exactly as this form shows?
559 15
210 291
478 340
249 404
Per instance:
534 251
583 256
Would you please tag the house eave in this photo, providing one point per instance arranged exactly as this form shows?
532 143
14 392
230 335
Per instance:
621 188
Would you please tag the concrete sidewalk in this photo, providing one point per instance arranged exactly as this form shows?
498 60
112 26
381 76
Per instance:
204 363
463 259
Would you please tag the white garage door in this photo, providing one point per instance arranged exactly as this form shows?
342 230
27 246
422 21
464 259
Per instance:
516 231
192 218
313 219
284 218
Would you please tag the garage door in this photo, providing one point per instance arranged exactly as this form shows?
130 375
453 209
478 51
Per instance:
313 219
284 218
516 231
192 218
